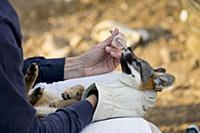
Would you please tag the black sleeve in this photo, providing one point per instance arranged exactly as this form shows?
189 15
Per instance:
50 70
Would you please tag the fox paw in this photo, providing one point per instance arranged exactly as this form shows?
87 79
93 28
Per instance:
74 92
35 94
33 70
54 103
31 76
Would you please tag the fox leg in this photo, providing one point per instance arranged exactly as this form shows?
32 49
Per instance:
74 92
31 76
35 94
43 111
62 103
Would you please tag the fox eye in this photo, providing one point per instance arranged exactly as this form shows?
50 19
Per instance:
137 63
133 76
78 93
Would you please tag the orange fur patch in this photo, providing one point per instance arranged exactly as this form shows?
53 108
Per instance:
149 85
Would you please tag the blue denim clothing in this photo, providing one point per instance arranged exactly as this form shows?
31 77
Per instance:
16 114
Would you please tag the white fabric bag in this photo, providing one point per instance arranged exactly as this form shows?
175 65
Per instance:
121 98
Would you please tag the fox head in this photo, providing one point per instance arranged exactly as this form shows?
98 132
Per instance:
141 71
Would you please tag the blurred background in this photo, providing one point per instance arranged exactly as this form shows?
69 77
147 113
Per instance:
165 32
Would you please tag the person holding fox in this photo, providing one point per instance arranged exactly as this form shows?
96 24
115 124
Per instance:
16 114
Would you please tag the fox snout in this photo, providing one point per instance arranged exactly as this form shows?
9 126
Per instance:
144 73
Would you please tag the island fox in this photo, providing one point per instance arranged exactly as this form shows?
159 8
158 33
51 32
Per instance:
46 102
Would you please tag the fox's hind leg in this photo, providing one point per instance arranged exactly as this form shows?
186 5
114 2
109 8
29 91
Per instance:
43 111
62 103
31 76
35 94
70 96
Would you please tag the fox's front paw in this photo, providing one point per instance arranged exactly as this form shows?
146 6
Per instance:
54 103
74 92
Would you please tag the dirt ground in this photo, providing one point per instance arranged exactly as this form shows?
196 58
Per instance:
69 24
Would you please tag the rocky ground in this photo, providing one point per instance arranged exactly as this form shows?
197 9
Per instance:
56 28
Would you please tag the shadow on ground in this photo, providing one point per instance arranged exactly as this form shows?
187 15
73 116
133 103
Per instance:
174 119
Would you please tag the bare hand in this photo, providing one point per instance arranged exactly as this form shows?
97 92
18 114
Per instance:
93 100
104 57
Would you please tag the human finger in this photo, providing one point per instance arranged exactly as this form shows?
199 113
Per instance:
115 55
112 63
110 49
119 41
114 31
108 41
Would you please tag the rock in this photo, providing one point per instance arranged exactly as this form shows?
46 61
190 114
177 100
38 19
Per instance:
101 31
194 63
184 15
75 40
134 36
86 1
124 6
51 48
165 55
193 44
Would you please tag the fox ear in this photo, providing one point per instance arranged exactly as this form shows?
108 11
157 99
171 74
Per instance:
163 81
124 65
129 48
160 70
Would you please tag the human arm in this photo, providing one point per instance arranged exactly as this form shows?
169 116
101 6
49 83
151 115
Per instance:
67 120
16 114
50 70
101 58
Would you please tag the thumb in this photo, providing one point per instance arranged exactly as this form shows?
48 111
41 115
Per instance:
114 31
108 41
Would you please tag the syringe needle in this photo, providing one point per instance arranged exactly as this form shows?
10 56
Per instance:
122 44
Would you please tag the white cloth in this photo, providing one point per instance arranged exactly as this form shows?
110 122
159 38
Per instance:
122 97
119 125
